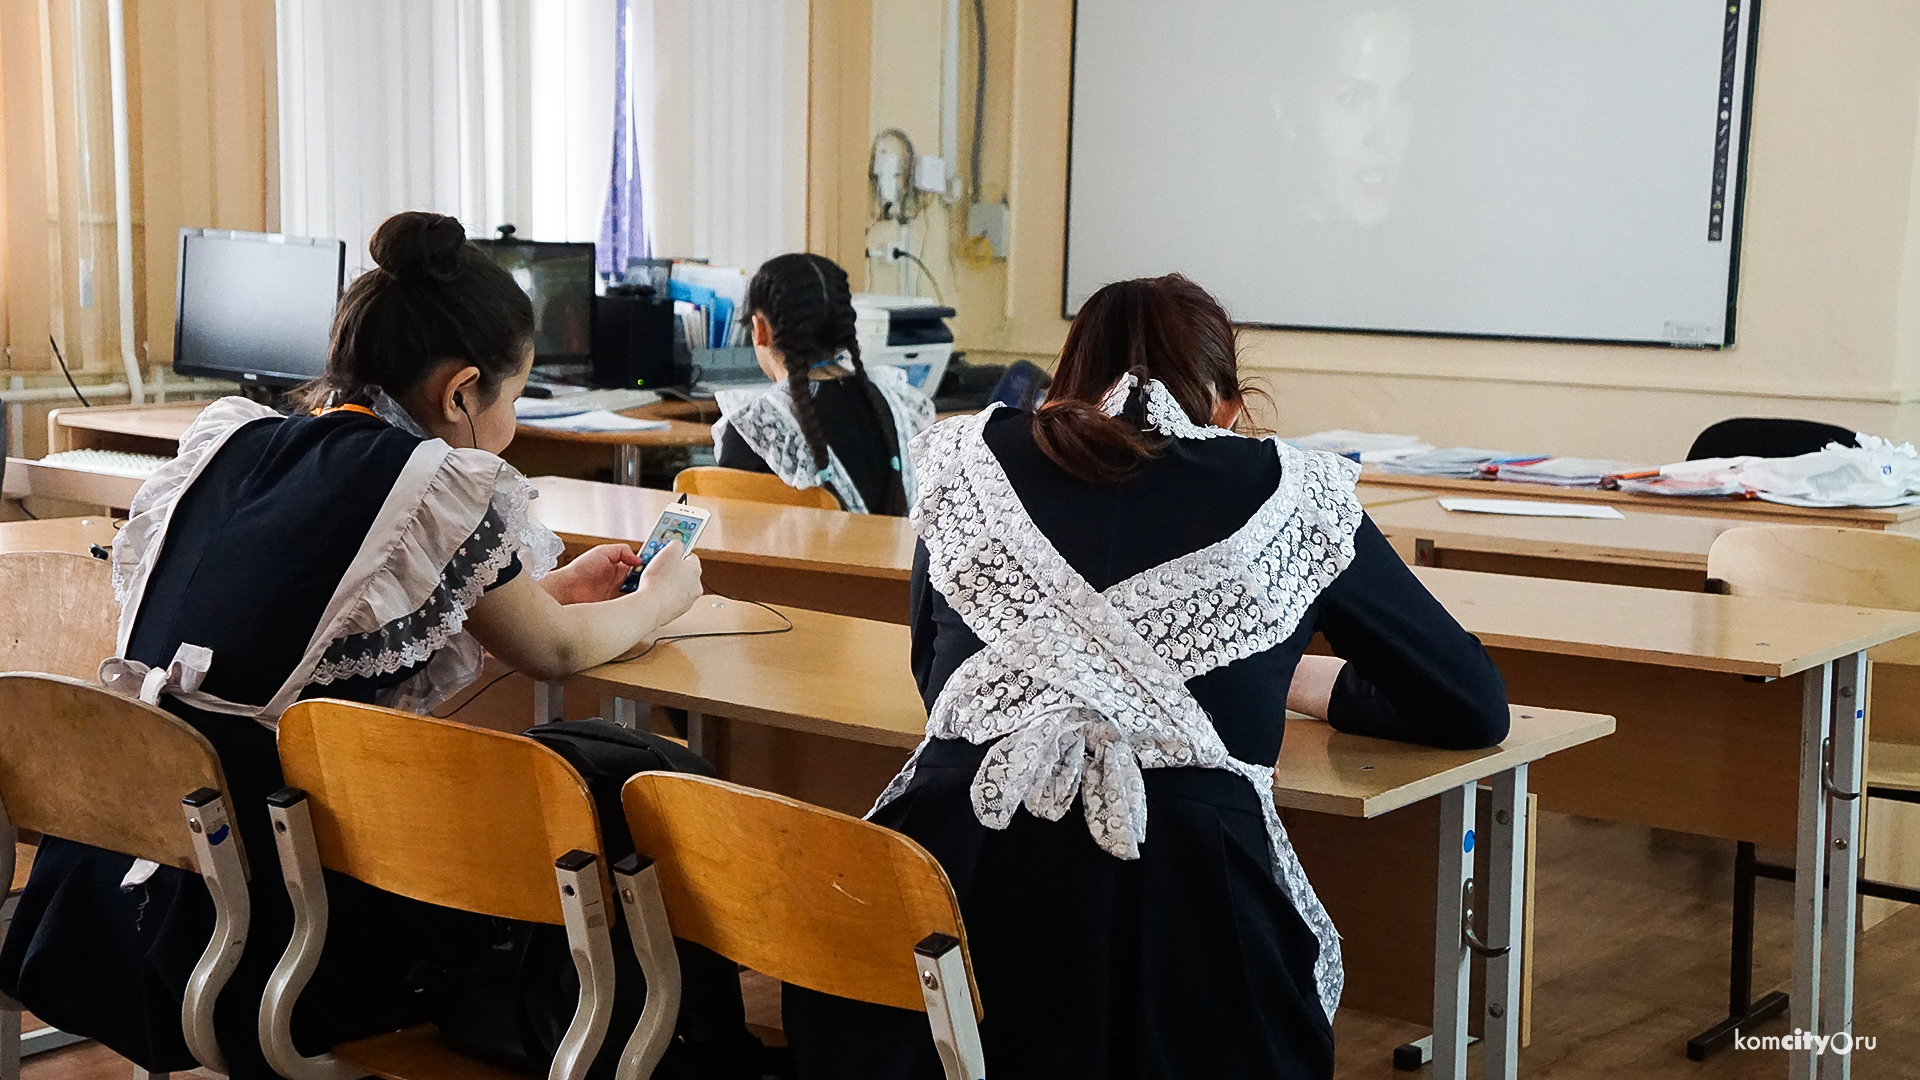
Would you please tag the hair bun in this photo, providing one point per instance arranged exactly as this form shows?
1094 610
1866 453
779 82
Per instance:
419 245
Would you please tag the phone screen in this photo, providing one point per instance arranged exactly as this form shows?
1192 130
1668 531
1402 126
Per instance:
672 526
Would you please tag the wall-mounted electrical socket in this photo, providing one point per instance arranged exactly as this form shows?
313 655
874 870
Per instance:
989 220
892 253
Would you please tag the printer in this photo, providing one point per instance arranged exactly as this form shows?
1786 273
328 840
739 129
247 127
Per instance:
907 332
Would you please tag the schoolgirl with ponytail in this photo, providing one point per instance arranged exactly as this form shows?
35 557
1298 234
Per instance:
830 421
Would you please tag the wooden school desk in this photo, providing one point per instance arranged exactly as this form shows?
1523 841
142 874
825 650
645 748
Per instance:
584 453
1904 519
1667 551
825 560
76 534
848 679
1726 709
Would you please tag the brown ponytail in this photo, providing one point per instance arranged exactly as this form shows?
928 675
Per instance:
1164 328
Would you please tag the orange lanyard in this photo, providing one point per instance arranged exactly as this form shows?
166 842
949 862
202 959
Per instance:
351 408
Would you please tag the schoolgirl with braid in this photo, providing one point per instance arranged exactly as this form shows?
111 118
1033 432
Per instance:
828 421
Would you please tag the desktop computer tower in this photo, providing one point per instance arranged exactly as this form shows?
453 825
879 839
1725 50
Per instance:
633 341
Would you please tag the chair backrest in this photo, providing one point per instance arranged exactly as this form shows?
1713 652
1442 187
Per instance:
719 483
796 892
1824 565
60 617
1767 437
82 763
437 811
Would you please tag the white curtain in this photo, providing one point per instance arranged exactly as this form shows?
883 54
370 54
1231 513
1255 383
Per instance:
728 179
501 111
416 105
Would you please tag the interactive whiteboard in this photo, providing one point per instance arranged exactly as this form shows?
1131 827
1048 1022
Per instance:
1565 169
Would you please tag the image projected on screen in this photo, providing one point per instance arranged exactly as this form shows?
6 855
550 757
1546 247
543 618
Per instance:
1488 167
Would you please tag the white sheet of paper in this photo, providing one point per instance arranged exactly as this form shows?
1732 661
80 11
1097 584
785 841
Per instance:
596 420
1523 508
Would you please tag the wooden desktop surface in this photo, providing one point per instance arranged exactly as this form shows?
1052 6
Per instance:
850 679
1741 635
159 423
1899 518
1372 495
761 534
1638 538
57 534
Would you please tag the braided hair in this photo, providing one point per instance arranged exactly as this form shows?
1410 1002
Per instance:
808 302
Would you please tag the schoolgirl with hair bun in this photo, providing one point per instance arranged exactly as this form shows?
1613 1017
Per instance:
373 548
831 421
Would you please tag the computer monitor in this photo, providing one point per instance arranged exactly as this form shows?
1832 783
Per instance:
559 279
254 307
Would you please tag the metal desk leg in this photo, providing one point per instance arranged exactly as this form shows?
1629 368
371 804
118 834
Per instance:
1810 850
1842 797
1450 958
623 711
549 702
626 465
701 735
1506 926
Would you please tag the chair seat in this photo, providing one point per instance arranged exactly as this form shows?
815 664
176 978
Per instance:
419 1053
1893 765
22 864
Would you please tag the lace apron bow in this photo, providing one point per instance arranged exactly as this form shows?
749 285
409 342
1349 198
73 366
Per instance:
1056 755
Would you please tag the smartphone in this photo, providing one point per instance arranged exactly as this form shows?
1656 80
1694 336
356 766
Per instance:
677 522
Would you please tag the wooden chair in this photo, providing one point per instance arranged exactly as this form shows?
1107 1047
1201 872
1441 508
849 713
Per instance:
1828 565
801 894
59 617
719 483
65 754
451 815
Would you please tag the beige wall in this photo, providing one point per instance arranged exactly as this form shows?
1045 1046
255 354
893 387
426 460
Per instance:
1829 311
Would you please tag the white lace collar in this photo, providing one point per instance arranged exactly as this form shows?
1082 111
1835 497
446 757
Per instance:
1164 413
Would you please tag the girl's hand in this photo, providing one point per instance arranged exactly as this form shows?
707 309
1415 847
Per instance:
672 579
596 575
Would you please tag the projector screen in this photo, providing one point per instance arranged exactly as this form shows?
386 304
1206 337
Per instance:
1564 169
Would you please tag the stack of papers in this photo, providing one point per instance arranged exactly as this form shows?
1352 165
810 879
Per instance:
1565 471
1460 462
594 420
1363 446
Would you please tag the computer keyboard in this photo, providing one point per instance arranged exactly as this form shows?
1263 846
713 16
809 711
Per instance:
564 403
106 462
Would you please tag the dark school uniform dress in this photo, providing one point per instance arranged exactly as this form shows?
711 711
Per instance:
254 553
868 446
1191 960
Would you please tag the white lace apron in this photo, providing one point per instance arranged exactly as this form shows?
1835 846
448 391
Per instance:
454 520
1084 688
764 420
